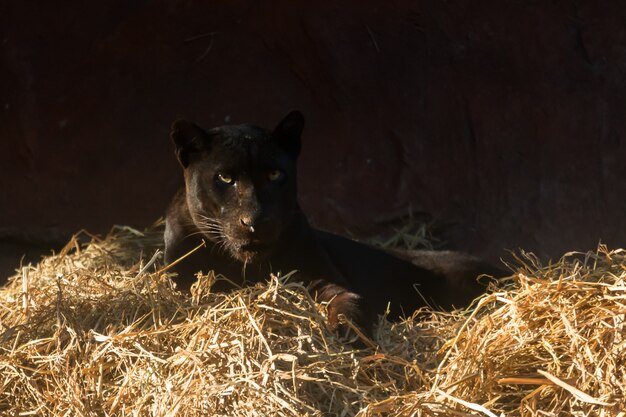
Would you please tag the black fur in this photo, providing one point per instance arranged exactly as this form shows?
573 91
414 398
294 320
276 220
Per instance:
240 196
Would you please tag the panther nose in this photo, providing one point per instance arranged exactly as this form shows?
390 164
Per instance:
247 222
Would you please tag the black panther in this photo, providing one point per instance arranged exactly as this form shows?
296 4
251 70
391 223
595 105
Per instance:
240 197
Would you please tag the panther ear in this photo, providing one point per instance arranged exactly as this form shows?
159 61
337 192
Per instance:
188 139
287 133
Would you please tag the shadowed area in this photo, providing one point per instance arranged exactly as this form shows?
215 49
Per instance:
504 120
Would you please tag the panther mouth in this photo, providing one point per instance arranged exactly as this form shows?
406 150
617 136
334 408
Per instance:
250 250
254 246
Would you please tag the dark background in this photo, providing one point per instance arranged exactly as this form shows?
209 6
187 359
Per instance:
502 119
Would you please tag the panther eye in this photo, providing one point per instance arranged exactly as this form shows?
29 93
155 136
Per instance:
225 179
275 175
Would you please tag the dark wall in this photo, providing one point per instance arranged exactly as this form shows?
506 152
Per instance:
506 118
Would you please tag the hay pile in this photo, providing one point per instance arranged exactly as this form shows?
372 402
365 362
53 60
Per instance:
97 330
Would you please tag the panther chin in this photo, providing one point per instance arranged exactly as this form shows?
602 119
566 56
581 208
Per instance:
249 251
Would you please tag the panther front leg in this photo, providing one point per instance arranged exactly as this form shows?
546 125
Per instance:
341 301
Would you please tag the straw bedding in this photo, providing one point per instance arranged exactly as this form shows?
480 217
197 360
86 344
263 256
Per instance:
100 330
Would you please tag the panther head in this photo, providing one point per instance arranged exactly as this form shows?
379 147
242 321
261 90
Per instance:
240 182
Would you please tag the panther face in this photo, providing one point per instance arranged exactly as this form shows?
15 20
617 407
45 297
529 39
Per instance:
240 183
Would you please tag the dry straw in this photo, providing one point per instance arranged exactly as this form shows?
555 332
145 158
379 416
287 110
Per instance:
98 330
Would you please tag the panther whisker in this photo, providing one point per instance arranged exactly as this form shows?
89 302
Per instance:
243 269
221 247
